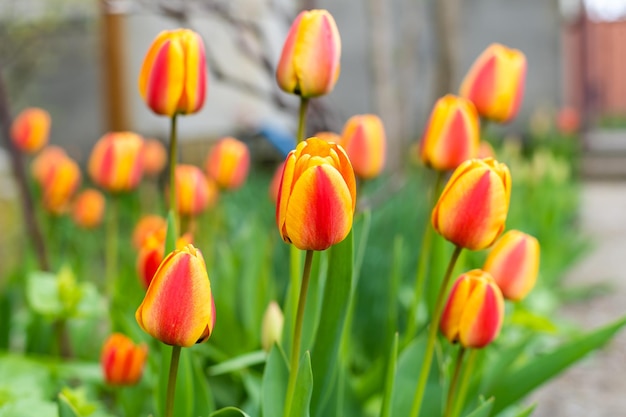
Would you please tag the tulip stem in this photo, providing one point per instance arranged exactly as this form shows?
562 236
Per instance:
304 104
111 250
455 380
422 264
297 333
171 382
432 335
467 373
173 155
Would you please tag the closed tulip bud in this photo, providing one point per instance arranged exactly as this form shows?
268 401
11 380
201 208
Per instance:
122 361
116 161
568 121
30 130
154 157
495 82
59 183
485 150
474 311
228 163
49 156
514 264
309 62
272 326
452 134
328 137
317 196
173 77
178 308
194 193
364 140
145 227
472 209
151 254
275 183
88 209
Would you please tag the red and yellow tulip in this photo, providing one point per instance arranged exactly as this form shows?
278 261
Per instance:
30 129
151 254
365 142
173 77
472 209
194 192
495 82
178 308
88 209
317 196
122 361
452 134
474 311
228 163
116 162
309 62
59 178
485 150
275 183
154 157
328 136
50 155
514 264
145 227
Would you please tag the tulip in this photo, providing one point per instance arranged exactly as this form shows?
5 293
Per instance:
228 163
472 209
514 264
146 226
59 183
151 254
275 183
568 120
495 82
116 161
30 129
485 150
88 209
173 77
452 134
194 193
178 308
309 62
317 196
474 311
49 156
328 137
122 361
364 140
154 157
272 326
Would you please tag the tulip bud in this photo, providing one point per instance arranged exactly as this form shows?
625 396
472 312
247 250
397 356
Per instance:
474 311
88 209
49 156
178 308
272 326
151 254
495 82
194 193
452 134
328 137
514 264
228 163
364 140
116 162
154 157
317 196
145 227
122 361
173 76
309 62
275 183
472 209
485 150
30 130
568 121
58 183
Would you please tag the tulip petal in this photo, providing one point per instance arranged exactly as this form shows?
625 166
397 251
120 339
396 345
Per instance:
482 317
194 91
166 81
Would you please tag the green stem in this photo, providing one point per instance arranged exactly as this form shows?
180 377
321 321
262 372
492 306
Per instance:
304 104
171 382
455 380
422 264
111 248
467 374
432 335
172 163
297 333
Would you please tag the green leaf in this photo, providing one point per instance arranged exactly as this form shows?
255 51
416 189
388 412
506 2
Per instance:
514 385
274 386
42 293
171 234
526 412
238 363
202 394
385 410
304 387
313 307
483 410
334 308
229 412
74 403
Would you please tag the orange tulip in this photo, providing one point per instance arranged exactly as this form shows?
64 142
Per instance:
59 177
568 120
485 150
194 193
309 62
514 264
116 161
495 82
50 155
317 196
88 209
228 163
122 361
154 157
173 76
145 227
151 254
30 129
178 308
452 134
275 183
474 311
364 140
328 137
472 209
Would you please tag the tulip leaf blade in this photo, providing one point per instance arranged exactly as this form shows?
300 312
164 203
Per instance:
527 412
483 410
229 412
335 304
520 381
385 410
300 407
274 385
